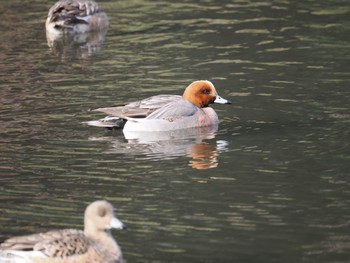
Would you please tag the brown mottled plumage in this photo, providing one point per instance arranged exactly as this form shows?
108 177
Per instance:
94 245
76 16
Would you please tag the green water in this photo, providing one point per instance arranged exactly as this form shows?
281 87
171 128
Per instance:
271 185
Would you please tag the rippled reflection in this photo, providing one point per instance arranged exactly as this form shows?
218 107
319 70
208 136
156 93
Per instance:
82 45
199 145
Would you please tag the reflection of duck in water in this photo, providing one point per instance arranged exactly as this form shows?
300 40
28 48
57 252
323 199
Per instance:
94 244
76 16
81 45
203 156
198 144
166 112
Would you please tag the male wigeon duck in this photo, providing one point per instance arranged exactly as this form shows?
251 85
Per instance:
166 112
76 16
94 245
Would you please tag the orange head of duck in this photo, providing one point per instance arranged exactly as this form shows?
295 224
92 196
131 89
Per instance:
201 93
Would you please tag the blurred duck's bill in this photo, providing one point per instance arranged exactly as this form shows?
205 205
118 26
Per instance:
221 100
116 223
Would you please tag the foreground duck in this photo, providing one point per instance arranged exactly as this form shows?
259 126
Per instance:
76 16
94 245
166 112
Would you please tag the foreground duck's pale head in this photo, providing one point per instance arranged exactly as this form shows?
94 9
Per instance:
201 93
99 217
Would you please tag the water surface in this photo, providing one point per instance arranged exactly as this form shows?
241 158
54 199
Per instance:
270 185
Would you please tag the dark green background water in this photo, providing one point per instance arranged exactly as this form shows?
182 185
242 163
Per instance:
274 180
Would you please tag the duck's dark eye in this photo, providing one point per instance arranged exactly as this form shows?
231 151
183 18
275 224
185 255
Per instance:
102 212
206 91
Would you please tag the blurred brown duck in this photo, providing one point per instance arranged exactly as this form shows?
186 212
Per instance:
93 245
76 16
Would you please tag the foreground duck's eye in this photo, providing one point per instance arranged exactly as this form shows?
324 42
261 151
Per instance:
206 91
102 212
